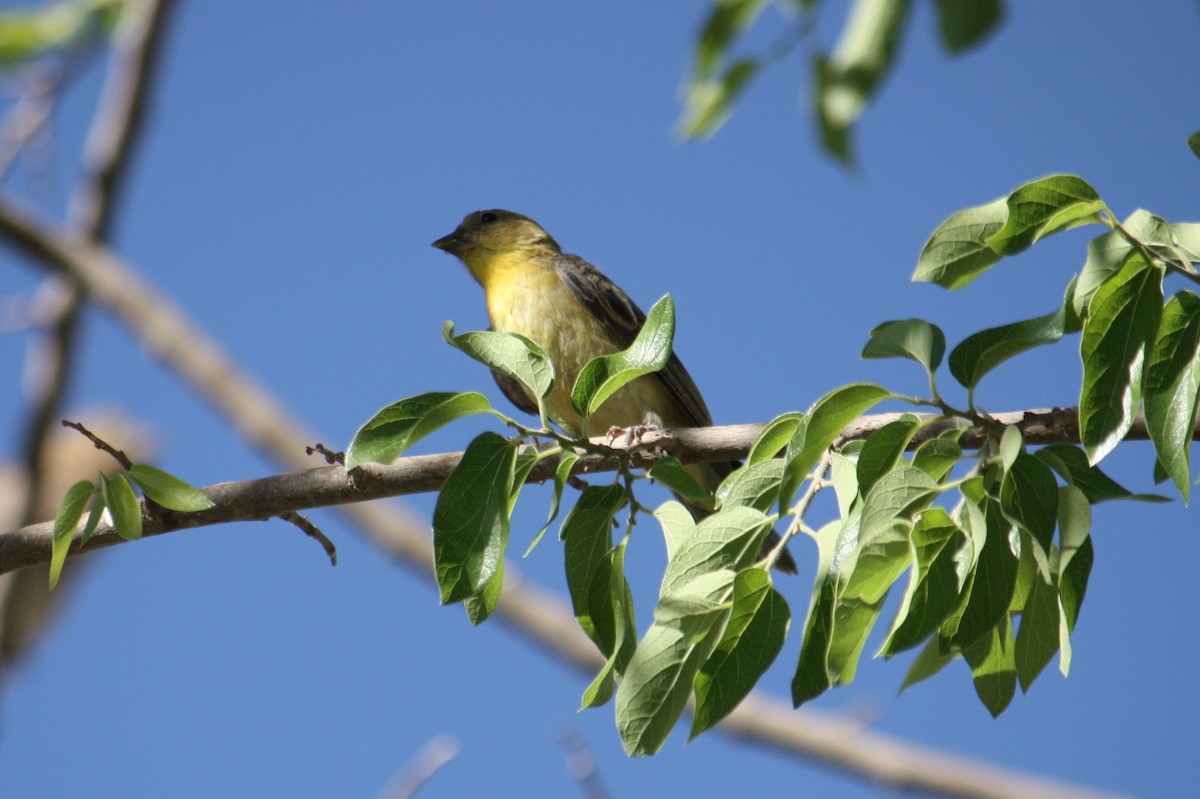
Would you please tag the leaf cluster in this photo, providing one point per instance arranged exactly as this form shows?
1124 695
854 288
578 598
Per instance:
991 548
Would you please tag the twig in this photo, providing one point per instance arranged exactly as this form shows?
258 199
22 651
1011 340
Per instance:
311 530
100 443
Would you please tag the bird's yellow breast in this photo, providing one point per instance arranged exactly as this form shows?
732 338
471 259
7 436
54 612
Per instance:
527 296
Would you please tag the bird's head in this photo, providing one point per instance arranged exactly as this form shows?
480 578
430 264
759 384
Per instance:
486 234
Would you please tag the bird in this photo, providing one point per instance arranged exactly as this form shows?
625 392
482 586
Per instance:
574 312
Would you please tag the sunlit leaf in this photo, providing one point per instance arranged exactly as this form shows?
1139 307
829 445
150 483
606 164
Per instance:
397 427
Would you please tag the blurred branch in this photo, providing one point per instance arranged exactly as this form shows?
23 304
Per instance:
114 133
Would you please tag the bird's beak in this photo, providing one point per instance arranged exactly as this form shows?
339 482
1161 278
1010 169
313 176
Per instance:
455 243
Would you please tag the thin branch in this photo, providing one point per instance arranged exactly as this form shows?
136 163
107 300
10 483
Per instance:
100 444
313 532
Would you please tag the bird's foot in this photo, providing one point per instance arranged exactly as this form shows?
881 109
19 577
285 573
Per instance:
632 435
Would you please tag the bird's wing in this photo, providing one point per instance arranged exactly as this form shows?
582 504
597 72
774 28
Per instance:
612 306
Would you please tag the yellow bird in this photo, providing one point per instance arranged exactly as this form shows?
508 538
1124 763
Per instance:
575 313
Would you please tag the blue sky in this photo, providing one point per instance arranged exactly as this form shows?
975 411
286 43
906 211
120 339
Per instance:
299 161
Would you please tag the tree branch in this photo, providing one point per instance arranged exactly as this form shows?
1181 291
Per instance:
261 499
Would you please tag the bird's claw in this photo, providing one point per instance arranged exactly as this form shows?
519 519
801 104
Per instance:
632 434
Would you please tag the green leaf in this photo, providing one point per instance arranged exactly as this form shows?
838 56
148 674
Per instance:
1171 386
602 377
1107 253
774 437
957 252
168 490
726 21
65 522
587 533
752 640
812 678
1122 320
980 353
849 77
677 524
871 554
914 339
938 456
993 665
480 606
1012 444
671 473
825 421
710 100
1029 497
991 583
1074 565
94 516
755 486
30 33
965 23
1041 207
1194 143
508 353
730 539
397 427
566 462
123 504
928 662
932 583
659 678
601 688
1037 637
527 458
883 449
1072 465
470 520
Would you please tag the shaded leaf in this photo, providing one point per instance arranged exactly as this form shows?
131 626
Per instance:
1029 497
979 353
1171 386
883 449
671 473
1122 321
752 639
932 583
965 23
993 665
658 681
587 533
1072 465
812 678
470 520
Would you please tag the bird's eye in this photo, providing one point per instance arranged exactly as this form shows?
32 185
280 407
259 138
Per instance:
488 217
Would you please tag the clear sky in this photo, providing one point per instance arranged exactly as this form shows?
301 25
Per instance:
300 159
